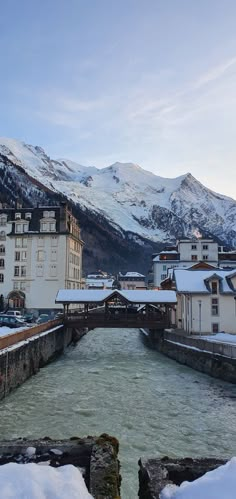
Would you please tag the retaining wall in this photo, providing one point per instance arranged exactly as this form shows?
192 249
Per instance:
95 456
27 351
215 359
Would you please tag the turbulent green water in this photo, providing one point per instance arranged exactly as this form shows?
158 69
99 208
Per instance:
111 382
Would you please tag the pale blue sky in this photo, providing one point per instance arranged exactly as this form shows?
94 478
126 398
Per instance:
147 81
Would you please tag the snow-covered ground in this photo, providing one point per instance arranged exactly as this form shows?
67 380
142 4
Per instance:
4 330
221 338
33 481
216 484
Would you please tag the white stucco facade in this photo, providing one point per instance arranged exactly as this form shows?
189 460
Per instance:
206 301
39 262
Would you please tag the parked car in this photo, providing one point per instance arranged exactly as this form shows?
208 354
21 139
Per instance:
14 313
12 322
29 318
43 318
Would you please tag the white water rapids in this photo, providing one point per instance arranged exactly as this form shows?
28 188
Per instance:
112 383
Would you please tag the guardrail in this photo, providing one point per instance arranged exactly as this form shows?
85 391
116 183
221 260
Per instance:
223 349
29 332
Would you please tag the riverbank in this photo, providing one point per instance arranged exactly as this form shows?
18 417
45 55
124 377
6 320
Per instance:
23 353
213 358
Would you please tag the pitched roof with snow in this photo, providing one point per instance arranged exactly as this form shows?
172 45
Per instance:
197 282
100 296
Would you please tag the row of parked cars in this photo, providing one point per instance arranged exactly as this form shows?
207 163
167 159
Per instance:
14 319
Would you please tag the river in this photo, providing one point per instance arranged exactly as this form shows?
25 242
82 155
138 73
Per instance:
111 382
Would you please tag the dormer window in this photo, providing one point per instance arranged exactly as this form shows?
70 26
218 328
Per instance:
17 216
46 214
214 287
28 216
52 214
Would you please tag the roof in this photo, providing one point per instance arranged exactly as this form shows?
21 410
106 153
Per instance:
66 296
188 281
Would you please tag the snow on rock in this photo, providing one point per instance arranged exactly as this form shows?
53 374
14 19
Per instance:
217 484
21 481
130 198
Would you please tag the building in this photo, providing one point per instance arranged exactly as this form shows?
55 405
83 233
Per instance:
206 300
131 280
186 253
40 252
99 281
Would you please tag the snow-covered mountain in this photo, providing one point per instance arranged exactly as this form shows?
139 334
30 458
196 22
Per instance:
135 203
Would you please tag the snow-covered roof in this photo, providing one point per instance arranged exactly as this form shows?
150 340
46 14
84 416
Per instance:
99 296
196 281
132 274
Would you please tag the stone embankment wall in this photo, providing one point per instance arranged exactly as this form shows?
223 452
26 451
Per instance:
214 359
155 474
95 456
31 350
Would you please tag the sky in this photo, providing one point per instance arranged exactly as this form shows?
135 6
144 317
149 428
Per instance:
151 82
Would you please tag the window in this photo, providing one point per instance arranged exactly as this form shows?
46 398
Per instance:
45 214
23 286
52 214
205 257
17 256
54 240
16 271
25 227
2 249
28 216
40 255
3 219
163 276
18 227
214 287
214 306
40 241
18 242
53 270
23 271
24 255
194 257
17 216
44 227
1 278
164 267
215 327
2 263
52 226
24 242
194 247
39 270
15 285
54 255
205 246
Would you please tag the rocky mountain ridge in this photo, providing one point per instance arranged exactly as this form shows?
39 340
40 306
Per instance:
132 211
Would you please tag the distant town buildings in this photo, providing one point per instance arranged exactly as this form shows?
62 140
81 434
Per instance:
185 254
99 280
40 252
131 280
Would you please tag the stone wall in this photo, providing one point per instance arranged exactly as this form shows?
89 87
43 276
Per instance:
155 474
97 458
20 361
216 365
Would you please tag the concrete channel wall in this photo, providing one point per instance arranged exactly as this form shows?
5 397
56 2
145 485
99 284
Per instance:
22 354
217 360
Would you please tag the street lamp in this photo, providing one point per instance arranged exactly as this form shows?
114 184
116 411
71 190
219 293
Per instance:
200 315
